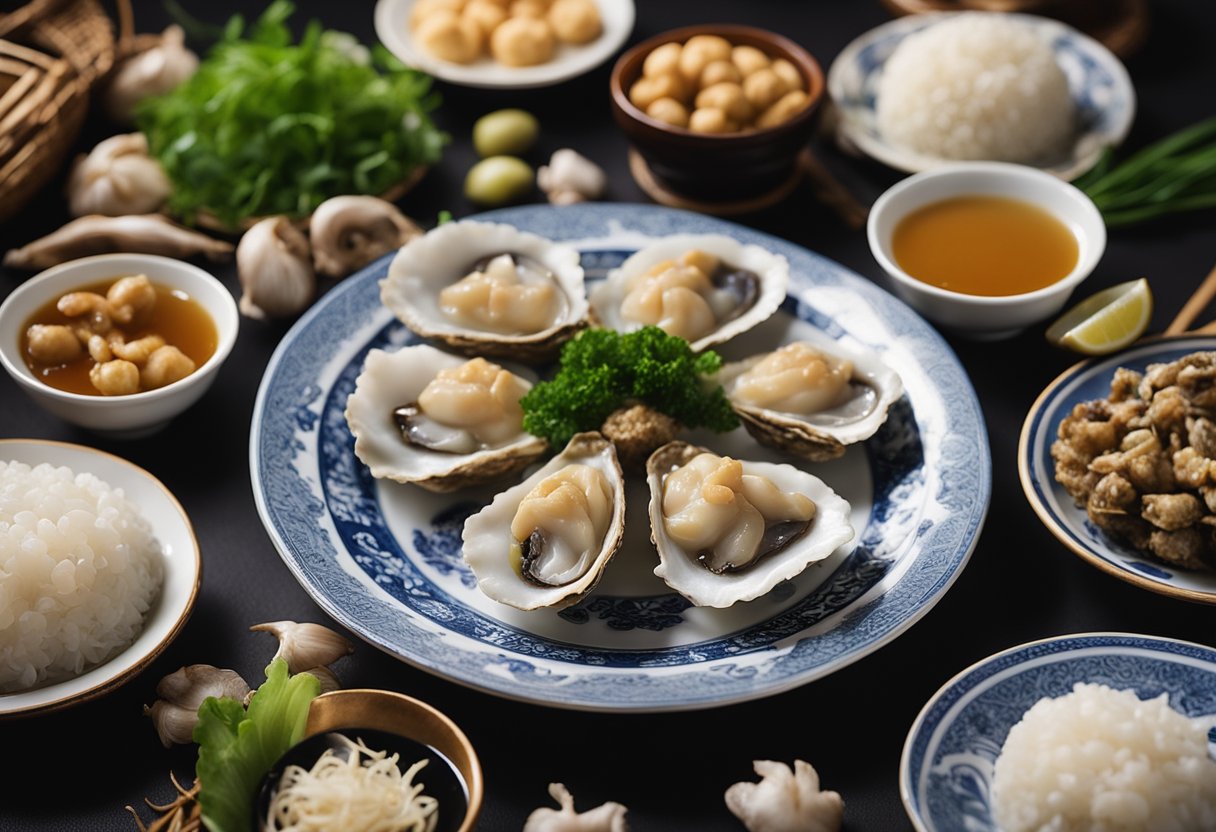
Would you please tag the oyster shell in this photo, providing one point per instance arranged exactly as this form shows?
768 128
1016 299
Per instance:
538 571
746 290
390 382
811 423
786 549
444 256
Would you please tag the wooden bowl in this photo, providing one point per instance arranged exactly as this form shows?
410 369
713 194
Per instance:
724 167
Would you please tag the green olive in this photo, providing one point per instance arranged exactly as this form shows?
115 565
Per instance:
498 180
505 133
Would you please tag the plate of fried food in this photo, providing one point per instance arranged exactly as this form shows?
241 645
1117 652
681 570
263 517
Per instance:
493 45
1116 458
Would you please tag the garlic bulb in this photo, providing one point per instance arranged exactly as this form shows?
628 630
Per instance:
571 177
154 71
306 646
348 232
117 178
610 817
181 692
275 269
785 800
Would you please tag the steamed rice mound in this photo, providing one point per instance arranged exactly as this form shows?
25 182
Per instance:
977 86
79 570
1102 760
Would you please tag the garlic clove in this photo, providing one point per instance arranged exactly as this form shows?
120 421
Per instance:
174 724
189 686
609 817
328 679
306 646
785 800
117 178
348 232
571 177
154 71
275 270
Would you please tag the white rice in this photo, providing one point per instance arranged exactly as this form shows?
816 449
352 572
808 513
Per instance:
1102 760
978 85
79 569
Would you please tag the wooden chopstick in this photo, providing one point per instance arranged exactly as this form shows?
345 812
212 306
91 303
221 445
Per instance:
1196 304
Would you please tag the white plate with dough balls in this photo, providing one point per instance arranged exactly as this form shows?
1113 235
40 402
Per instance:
504 44
99 570
927 89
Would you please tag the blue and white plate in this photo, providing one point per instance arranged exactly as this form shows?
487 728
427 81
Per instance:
945 774
1083 382
384 558
1101 89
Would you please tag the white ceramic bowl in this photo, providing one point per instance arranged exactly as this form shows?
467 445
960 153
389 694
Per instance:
138 414
974 316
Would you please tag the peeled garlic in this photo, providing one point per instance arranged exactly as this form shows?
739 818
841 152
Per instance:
275 269
306 646
154 71
571 177
117 178
181 692
785 800
328 679
610 817
348 232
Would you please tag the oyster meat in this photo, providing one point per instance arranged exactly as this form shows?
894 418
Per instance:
546 541
811 398
488 289
423 416
728 530
705 288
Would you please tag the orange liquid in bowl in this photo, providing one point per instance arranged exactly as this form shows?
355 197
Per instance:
984 245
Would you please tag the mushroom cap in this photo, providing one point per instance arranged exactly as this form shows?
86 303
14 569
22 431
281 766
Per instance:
348 232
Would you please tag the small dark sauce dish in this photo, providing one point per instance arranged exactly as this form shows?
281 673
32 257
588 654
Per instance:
439 778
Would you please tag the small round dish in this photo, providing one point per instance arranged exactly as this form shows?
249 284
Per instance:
1101 89
139 414
945 772
976 316
1082 382
393 29
393 722
183 568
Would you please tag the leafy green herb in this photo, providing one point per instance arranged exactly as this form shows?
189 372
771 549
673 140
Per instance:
1174 174
270 127
236 747
601 370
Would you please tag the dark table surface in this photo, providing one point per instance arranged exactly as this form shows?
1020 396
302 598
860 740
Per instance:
669 769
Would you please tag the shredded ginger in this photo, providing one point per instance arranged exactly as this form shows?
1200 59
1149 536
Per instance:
365 791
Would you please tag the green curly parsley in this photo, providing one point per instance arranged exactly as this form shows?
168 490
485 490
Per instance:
601 370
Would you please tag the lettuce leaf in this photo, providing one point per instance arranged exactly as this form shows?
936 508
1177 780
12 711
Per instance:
236 747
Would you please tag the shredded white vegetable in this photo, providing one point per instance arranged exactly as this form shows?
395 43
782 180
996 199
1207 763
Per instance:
365 791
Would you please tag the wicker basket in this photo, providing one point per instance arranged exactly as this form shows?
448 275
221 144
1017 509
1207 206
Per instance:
52 54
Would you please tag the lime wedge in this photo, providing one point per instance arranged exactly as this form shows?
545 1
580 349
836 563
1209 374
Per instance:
1107 321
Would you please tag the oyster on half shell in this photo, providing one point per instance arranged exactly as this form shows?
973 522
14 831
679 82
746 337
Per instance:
545 542
811 398
729 530
488 289
398 440
706 288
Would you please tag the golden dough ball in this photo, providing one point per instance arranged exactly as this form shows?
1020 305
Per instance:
716 72
786 108
425 8
668 110
748 59
450 38
665 60
710 120
764 88
645 91
728 98
529 8
575 21
789 74
486 14
700 51
522 41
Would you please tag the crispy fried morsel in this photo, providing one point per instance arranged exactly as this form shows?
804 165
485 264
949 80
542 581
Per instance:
1125 527
1192 469
1167 411
1194 366
1072 471
1184 547
1152 473
1198 382
1089 430
1113 492
1201 435
1171 511
1208 493
1122 414
1124 385
1136 444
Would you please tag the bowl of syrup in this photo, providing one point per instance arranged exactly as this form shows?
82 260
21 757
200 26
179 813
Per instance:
118 343
986 249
